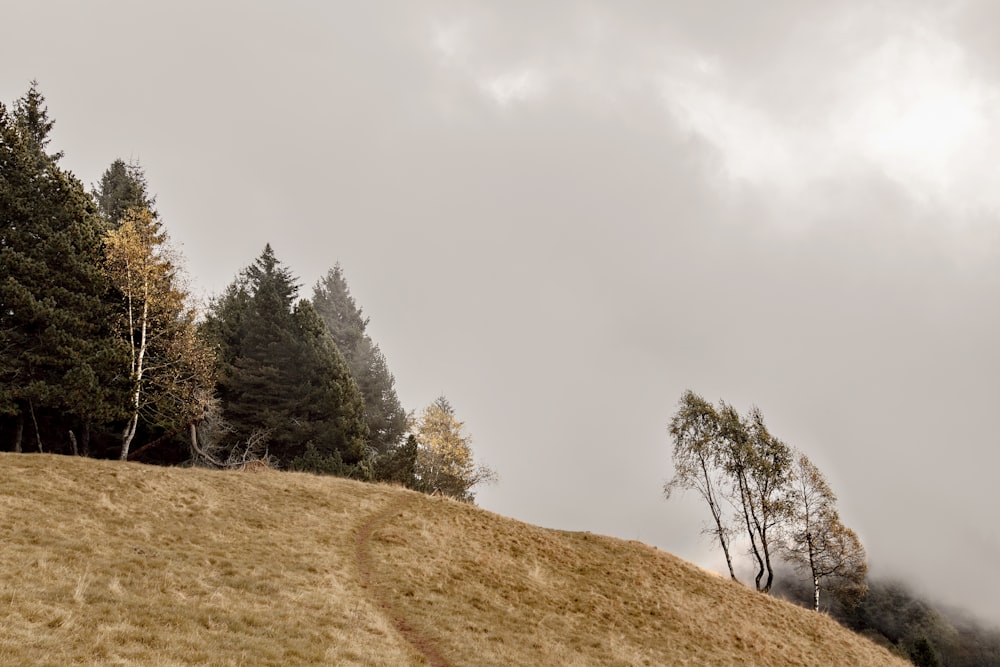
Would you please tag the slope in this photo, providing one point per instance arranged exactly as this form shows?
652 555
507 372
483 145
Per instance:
110 563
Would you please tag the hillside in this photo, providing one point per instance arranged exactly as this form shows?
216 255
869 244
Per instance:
110 563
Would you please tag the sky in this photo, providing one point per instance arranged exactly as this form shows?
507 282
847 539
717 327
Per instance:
563 215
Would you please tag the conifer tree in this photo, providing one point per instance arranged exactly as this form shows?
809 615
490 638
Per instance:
280 370
400 464
123 186
384 415
59 358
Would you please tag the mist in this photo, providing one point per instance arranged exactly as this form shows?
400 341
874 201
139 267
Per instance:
562 218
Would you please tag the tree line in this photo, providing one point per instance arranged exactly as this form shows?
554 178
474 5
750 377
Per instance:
762 492
102 352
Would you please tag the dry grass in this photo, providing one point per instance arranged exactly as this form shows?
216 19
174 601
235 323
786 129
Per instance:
114 564
121 564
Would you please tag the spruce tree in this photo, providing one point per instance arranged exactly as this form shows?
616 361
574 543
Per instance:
347 324
57 378
123 186
330 406
281 372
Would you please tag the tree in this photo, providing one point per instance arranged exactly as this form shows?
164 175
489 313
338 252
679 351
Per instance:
817 540
695 432
759 466
729 459
60 358
400 464
123 186
444 461
280 371
169 367
923 654
330 406
347 324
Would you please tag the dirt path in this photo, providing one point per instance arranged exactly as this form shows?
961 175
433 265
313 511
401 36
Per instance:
380 595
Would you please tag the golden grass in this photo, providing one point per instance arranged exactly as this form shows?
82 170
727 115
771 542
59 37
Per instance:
122 564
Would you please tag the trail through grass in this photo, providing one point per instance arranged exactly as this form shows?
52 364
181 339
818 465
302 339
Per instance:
105 563
384 598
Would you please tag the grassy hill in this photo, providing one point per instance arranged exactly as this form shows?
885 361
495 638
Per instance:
123 564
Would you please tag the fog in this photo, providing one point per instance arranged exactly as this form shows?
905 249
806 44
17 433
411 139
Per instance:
563 217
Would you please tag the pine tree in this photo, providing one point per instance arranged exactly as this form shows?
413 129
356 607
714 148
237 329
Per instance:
384 415
123 186
280 370
329 406
59 358
400 464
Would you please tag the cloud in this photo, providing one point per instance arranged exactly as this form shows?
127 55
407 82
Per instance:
563 215
915 108
514 86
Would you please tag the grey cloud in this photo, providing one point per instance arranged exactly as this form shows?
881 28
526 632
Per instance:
564 267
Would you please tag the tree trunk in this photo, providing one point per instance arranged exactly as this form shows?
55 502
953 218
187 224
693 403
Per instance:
19 432
717 515
132 455
137 371
72 442
85 438
34 420
129 433
767 563
196 451
751 533
812 569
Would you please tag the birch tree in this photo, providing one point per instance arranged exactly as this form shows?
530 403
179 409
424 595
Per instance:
817 541
696 456
169 368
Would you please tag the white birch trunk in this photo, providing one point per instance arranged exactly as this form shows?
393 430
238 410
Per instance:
138 357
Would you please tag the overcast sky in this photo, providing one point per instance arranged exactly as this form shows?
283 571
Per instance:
563 215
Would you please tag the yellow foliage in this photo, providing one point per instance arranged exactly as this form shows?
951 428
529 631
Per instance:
444 456
169 365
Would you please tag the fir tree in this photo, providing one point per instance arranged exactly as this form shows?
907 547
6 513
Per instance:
384 415
280 370
123 186
59 358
